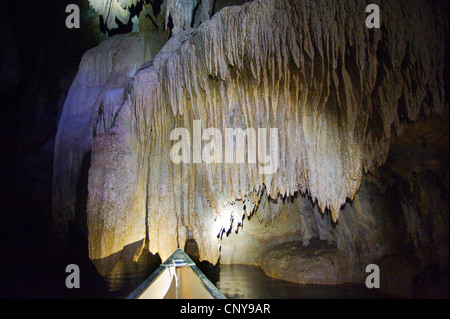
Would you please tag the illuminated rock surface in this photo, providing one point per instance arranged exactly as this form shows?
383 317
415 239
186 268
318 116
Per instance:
113 10
317 263
92 103
338 92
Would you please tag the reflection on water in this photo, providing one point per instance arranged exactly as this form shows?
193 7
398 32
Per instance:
125 277
31 273
235 282
238 282
31 269
250 282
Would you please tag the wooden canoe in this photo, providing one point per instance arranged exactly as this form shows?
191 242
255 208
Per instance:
177 278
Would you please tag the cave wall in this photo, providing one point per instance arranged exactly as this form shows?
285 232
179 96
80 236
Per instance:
38 61
39 58
91 106
365 228
337 91
398 220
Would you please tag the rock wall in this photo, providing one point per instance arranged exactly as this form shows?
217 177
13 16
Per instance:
337 91
366 231
397 220
90 108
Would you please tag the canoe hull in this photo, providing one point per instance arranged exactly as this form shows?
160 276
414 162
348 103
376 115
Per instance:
177 278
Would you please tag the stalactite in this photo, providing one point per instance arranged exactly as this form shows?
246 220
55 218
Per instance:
335 90
112 10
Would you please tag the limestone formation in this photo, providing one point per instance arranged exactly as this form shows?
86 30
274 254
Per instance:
112 10
364 233
317 263
337 91
182 13
90 108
